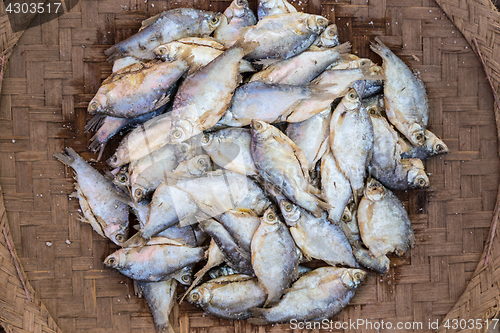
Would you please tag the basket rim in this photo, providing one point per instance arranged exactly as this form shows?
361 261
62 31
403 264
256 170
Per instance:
479 39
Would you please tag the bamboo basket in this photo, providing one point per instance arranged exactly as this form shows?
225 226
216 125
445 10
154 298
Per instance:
53 70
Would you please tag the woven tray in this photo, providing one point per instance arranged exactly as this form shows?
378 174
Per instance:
56 68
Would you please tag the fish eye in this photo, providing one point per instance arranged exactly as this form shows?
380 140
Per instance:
258 126
322 21
439 147
345 217
240 3
119 238
351 95
114 159
270 217
372 111
205 138
94 106
215 20
195 297
111 261
122 178
201 162
288 207
161 50
177 134
332 32
419 137
138 193
185 278
357 276
422 182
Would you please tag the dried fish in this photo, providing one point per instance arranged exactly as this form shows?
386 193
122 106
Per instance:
274 265
102 204
163 28
229 297
235 21
405 98
383 221
317 295
274 7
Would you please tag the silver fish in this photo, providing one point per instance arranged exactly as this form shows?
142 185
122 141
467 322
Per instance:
283 36
141 141
274 7
317 238
230 149
361 253
160 297
383 221
205 95
277 102
107 127
236 20
102 204
405 98
235 256
302 68
229 297
168 206
312 136
163 28
351 140
138 89
154 261
386 164
148 172
281 163
274 265
241 225
335 187
317 295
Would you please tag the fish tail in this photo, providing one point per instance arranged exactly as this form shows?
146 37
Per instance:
379 48
165 328
322 206
135 241
343 48
114 52
68 156
95 123
258 316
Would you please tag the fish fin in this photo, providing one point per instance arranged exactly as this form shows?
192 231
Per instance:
95 123
135 241
137 289
246 66
114 52
322 206
68 156
162 101
190 220
247 46
150 21
343 48
313 190
258 316
266 62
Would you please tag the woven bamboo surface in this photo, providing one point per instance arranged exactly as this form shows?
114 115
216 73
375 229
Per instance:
58 66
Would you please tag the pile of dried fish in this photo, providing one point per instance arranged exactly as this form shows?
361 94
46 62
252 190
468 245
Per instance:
258 149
